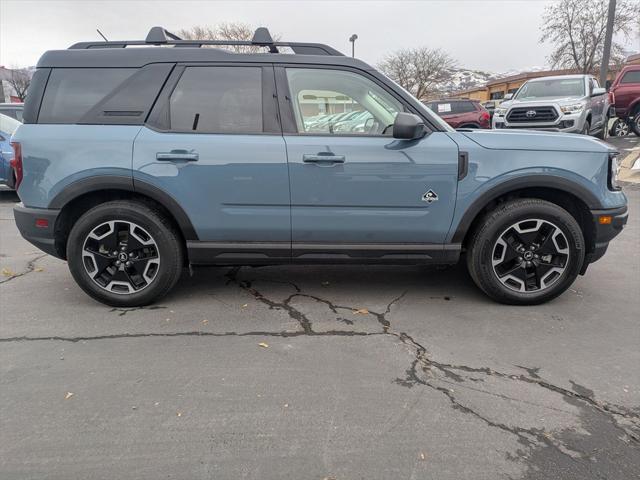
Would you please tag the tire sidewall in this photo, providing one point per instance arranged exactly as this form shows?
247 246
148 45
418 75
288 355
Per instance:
544 211
170 258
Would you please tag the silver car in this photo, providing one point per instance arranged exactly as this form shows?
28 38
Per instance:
565 103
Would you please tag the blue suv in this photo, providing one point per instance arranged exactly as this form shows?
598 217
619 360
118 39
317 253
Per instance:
136 162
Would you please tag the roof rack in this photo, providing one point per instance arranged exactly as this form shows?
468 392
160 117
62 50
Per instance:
261 38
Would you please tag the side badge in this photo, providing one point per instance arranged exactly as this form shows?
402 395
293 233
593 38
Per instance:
430 197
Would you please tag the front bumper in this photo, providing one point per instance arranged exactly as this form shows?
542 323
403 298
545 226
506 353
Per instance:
566 123
605 232
30 223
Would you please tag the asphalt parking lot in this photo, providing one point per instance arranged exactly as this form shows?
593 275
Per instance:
319 373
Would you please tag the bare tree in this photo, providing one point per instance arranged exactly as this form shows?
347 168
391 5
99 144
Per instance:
19 81
421 71
234 31
576 29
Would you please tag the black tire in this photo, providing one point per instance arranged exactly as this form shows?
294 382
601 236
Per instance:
484 241
619 128
148 223
635 123
586 128
603 133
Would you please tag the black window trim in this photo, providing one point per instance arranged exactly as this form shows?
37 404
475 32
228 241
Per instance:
627 74
158 119
289 125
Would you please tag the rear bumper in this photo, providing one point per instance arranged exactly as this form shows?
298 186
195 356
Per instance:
604 233
42 237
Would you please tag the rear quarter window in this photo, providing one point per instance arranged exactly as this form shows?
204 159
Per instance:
72 92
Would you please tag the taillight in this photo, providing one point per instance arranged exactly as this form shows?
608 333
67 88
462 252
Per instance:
484 116
612 98
16 163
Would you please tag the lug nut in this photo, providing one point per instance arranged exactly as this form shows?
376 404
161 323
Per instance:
520 259
128 264
130 254
117 263
528 264
123 248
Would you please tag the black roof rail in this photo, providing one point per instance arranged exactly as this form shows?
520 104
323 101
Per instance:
261 38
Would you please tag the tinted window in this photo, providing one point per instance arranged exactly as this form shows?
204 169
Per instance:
631 77
72 92
451 108
218 100
340 103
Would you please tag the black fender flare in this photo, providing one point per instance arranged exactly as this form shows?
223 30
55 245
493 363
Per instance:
528 181
127 184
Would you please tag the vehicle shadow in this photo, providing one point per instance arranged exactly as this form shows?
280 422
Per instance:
8 196
378 281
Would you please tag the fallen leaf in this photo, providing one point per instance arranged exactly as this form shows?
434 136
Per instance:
361 311
422 456
68 395
204 322
264 345
39 269
286 405
7 272
179 414
245 305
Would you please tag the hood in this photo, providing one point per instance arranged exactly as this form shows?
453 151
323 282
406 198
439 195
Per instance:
537 140
543 101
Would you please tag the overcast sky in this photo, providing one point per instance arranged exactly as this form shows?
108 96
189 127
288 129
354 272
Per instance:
486 35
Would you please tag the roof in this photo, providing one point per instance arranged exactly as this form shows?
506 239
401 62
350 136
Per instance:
138 57
155 49
528 75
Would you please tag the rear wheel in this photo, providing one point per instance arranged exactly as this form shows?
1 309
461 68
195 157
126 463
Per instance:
526 252
124 254
586 128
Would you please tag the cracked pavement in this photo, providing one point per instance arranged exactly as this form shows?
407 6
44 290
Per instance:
370 372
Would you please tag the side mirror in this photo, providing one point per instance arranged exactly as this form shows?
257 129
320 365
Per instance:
508 96
598 91
408 126
607 85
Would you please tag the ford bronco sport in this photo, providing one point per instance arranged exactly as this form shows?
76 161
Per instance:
136 162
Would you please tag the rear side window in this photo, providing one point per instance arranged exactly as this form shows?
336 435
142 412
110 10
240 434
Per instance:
631 77
72 92
217 100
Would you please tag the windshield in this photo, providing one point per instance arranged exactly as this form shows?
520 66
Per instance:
552 88
8 125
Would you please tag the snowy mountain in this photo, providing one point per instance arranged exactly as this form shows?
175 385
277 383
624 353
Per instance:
464 78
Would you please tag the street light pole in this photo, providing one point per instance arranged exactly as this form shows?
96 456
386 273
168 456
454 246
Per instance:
606 53
353 39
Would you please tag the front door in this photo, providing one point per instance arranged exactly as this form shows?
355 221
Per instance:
214 144
354 188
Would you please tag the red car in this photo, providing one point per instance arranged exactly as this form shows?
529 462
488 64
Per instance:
625 97
461 113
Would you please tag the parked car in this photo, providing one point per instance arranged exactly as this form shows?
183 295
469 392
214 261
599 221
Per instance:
566 103
13 110
201 156
625 94
8 126
461 113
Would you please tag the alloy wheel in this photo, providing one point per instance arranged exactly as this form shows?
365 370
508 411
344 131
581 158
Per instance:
621 128
121 257
531 255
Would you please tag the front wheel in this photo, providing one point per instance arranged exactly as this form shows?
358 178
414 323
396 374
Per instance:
620 128
635 124
526 252
124 254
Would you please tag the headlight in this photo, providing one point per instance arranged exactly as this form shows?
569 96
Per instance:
500 112
575 108
614 169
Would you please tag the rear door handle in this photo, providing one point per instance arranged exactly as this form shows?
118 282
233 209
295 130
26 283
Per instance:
323 158
178 156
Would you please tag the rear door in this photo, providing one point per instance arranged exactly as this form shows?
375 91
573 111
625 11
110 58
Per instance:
213 143
355 190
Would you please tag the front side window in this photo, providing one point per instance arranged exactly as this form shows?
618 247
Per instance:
340 103
631 77
217 100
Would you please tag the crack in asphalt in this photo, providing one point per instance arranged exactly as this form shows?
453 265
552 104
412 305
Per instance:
31 265
419 372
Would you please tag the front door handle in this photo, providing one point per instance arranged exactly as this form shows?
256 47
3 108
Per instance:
323 158
178 156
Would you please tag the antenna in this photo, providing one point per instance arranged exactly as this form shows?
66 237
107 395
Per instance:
100 33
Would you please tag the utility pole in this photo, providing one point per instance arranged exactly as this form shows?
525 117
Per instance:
606 53
353 39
